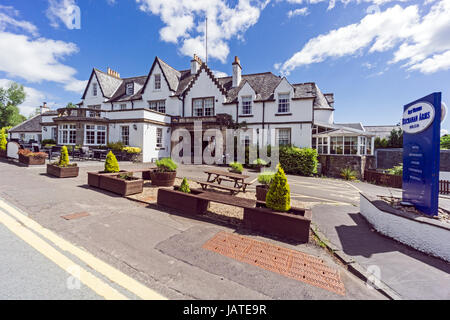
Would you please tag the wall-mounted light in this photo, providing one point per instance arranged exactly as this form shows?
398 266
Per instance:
45 129
134 126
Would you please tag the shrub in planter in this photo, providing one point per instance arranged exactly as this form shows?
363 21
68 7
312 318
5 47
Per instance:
32 158
264 179
3 143
348 174
259 163
63 168
165 173
396 170
48 142
236 167
298 161
184 187
123 183
279 195
111 164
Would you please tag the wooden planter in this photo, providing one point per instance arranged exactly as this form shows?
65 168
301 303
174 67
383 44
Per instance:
261 192
31 161
383 179
63 172
94 178
187 203
292 225
2 153
121 186
163 179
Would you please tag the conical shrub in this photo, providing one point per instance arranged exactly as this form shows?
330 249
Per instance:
64 157
184 187
111 164
278 197
3 141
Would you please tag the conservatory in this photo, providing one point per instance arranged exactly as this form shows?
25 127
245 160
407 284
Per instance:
344 141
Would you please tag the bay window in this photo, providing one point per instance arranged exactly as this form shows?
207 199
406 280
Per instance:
67 134
94 134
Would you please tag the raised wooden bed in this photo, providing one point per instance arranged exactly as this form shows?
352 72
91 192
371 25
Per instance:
163 179
94 177
383 179
31 160
2 153
63 172
121 186
261 192
292 225
187 203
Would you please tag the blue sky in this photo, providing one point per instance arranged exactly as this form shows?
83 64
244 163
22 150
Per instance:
374 55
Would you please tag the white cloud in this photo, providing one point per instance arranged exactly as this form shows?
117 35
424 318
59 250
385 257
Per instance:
8 22
185 23
34 98
424 43
65 12
298 12
219 74
35 59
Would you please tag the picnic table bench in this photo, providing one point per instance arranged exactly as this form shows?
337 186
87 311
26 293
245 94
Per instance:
220 175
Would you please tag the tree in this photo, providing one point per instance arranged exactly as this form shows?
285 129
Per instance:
71 105
445 142
395 139
10 99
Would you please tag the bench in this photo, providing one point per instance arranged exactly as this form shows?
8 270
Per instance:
237 184
205 185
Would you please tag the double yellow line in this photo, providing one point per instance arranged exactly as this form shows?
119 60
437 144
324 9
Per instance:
23 227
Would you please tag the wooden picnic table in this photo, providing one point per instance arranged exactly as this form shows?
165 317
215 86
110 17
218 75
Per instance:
221 175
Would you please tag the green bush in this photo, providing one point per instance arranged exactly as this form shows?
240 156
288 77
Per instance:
116 146
278 197
64 157
298 161
266 177
111 164
48 141
236 167
260 162
184 187
3 141
396 170
166 165
348 174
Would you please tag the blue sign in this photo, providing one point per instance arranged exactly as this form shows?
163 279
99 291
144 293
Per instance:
421 126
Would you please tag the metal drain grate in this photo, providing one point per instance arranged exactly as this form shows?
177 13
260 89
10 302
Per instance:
290 263
74 216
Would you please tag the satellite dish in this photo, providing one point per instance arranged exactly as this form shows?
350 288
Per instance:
443 111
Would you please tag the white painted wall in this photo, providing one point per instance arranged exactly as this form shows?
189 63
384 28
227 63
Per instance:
150 152
424 237
324 116
90 99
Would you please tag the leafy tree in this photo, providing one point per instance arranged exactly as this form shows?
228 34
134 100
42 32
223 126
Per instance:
10 99
381 143
278 197
395 139
445 142
71 105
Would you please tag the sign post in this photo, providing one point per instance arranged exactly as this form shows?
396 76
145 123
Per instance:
421 126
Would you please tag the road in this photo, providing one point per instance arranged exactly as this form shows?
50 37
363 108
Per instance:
141 251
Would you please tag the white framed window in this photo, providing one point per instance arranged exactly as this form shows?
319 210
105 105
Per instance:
157 81
123 106
158 105
130 89
284 136
350 145
125 135
54 133
246 105
283 103
67 134
362 145
203 107
322 145
94 134
94 89
159 133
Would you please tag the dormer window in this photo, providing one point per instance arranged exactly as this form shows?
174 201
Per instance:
157 82
94 89
130 89
283 103
246 105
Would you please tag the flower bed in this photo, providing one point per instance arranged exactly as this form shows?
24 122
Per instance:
120 185
70 171
32 158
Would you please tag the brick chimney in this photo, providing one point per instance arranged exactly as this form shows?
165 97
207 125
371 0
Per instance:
196 63
237 72
113 73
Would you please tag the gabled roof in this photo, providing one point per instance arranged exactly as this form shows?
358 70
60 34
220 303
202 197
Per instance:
120 94
30 125
171 75
107 83
311 90
210 75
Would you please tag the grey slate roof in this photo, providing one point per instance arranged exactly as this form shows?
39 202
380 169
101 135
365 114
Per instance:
357 126
120 94
108 84
173 76
30 125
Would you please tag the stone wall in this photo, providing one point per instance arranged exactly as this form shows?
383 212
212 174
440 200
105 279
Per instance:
388 158
333 164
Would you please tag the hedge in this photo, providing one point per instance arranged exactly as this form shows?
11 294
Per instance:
301 161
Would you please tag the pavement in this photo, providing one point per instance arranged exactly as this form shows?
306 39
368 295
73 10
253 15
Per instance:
134 251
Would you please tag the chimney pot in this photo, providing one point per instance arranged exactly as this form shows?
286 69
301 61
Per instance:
237 72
